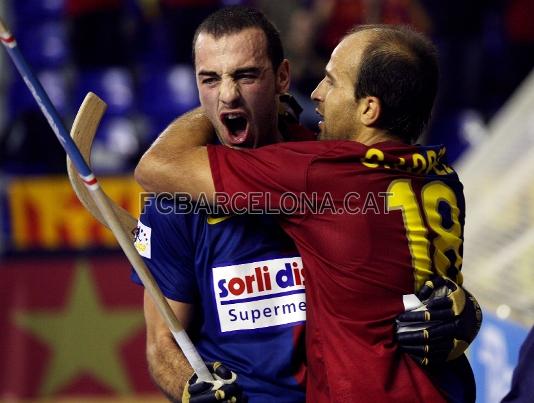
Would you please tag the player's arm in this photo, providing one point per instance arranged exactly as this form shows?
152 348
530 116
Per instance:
171 371
178 159
164 241
166 362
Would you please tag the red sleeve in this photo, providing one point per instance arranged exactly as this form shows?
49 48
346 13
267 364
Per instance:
260 177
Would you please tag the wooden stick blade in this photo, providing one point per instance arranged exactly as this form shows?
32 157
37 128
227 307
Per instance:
4 31
83 133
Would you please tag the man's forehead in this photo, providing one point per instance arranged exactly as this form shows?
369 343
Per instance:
247 43
348 53
357 41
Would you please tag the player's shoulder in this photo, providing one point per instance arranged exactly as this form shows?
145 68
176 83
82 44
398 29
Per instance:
311 148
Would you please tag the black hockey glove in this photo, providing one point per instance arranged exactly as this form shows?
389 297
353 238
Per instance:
289 112
223 389
443 328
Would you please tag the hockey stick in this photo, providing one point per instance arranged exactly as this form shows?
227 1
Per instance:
83 133
102 202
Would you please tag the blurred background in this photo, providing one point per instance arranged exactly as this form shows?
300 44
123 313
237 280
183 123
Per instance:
71 324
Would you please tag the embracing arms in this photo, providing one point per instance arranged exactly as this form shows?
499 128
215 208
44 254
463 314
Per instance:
178 159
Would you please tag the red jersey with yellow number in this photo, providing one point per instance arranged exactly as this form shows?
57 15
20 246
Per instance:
371 223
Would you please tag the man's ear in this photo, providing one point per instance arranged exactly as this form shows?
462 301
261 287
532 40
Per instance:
371 109
282 77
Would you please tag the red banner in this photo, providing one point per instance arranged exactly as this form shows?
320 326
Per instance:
46 214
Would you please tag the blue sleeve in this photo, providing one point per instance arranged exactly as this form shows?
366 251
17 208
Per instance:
163 238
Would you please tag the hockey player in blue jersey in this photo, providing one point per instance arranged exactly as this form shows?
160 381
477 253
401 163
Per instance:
235 282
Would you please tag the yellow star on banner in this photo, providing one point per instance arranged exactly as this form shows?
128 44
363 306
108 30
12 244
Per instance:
84 336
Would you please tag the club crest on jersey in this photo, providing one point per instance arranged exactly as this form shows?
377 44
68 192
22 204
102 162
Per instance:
260 294
142 239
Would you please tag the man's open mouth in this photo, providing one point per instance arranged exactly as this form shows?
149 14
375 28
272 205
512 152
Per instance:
237 127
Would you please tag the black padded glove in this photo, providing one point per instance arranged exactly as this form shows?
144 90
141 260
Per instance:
444 327
223 389
289 112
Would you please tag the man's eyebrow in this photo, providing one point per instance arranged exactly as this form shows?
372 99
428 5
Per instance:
249 70
207 73
242 70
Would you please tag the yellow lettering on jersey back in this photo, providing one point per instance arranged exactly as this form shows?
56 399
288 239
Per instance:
373 154
401 164
431 158
419 163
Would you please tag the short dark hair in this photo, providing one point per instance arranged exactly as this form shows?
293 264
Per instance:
400 67
234 19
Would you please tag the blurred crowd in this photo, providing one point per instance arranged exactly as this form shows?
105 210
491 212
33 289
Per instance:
136 55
